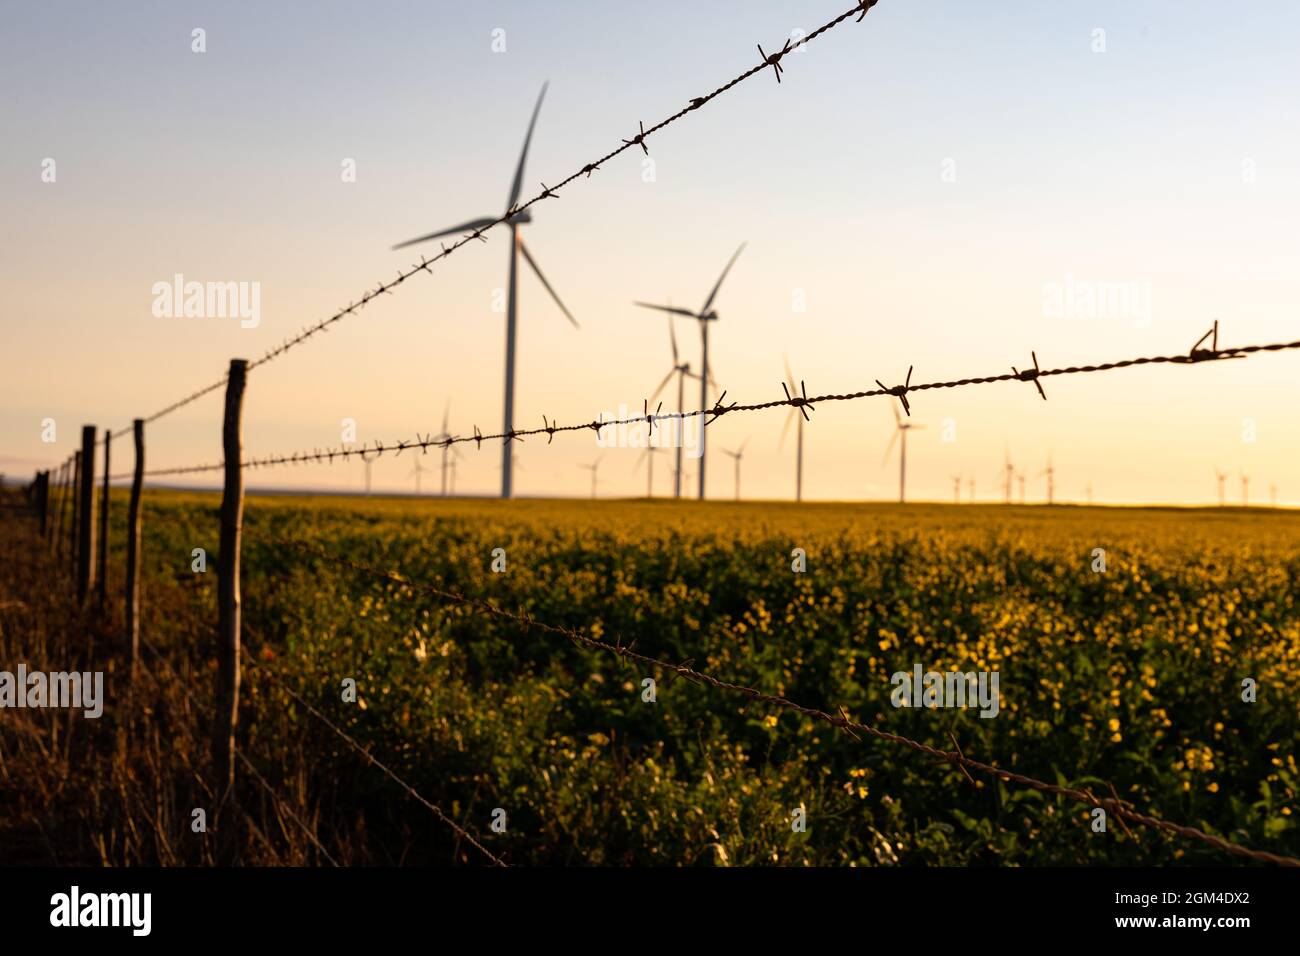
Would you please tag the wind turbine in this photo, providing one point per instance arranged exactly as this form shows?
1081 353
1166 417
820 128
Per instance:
648 456
737 455
368 462
900 428
1245 490
1272 496
516 248
1020 477
683 371
797 413
418 471
1090 493
972 491
592 468
1008 475
1220 477
706 315
956 489
448 450
1050 472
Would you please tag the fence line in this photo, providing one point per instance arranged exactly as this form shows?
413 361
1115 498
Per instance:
773 60
1113 805
801 401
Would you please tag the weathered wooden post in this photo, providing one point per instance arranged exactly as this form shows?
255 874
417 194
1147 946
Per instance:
86 519
228 605
74 503
60 532
133 553
101 593
43 499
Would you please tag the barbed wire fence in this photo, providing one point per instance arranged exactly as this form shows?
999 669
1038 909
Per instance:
73 517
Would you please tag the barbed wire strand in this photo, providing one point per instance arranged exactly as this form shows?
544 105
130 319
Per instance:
432 807
248 764
772 60
1121 809
1033 375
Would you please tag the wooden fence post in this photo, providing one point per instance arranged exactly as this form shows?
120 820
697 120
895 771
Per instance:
102 591
228 604
43 499
86 520
133 553
61 531
74 502
56 526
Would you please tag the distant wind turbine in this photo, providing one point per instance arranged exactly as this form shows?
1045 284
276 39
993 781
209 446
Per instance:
1220 477
706 315
972 491
1272 495
516 247
1050 472
368 461
1020 477
448 450
592 468
1008 475
1090 492
418 471
737 455
797 413
900 428
1245 490
683 371
956 489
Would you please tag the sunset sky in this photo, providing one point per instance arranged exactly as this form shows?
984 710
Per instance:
922 184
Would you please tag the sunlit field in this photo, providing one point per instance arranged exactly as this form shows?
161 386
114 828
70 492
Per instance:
1131 676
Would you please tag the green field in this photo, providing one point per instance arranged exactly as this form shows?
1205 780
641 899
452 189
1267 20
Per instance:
1130 677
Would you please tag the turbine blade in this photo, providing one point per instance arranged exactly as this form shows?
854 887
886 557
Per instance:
744 443
789 375
893 440
528 257
712 295
518 184
784 431
894 408
446 412
470 226
672 337
672 371
671 309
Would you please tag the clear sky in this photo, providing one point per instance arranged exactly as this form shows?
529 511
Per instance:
921 183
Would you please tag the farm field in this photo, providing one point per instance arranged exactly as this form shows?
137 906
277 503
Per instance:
1131 677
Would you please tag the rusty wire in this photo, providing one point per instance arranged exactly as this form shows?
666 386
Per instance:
432 807
1113 805
772 60
800 401
243 758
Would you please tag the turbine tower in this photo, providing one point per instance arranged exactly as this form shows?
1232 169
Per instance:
592 468
1220 477
648 456
1090 493
517 248
1272 496
448 451
1020 477
900 428
706 315
737 455
796 413
956 489
972 491
1245 490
